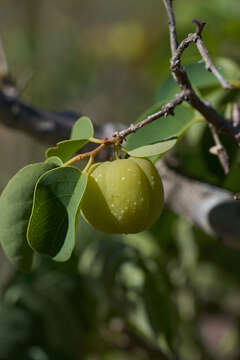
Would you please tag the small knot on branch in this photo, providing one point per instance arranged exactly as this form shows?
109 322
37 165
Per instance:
199 26
168 110
115 134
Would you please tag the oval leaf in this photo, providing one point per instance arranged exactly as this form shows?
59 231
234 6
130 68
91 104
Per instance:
57 199
82 129
159 148
15 208
66 148
163 128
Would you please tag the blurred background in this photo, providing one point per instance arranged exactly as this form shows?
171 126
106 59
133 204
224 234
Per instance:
124 297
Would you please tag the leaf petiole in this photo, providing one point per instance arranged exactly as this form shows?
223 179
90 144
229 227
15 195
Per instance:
96 141
90 161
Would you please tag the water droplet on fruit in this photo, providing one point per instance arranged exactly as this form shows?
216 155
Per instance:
123 203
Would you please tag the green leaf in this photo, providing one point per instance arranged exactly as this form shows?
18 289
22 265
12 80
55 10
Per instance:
57 199
229 69
81 132
66 148
158 148
82 129
54 159
201 78
15 208
163 128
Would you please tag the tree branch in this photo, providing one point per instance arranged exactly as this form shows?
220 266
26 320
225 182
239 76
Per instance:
206 57
208 207
219 150
172 25
47 127
209 113
167 109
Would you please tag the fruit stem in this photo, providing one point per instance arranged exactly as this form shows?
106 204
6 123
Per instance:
116 151
92 153
124 150
90 161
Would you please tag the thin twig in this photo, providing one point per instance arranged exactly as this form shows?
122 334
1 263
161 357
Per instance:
200 25
210 65
172 25
166 110
206 57
176 59
219 150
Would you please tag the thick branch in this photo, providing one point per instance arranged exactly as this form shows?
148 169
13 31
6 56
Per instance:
48 127
209 207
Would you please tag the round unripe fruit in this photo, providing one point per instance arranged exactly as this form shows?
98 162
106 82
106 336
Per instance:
123 196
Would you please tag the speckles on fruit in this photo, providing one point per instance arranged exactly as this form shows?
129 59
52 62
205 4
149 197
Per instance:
123 199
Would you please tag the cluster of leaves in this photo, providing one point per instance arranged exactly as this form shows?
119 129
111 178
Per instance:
42 202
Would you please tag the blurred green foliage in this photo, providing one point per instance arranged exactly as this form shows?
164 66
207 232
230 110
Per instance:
121 297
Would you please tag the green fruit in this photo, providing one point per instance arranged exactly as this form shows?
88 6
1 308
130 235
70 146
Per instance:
123 196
